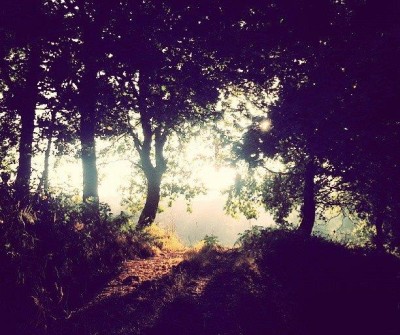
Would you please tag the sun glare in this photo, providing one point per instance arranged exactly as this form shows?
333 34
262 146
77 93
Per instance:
265 125
216 180
114 173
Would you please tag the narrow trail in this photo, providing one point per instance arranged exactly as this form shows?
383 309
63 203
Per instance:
133 301
136 272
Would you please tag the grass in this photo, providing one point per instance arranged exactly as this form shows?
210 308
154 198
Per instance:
278 282
164 239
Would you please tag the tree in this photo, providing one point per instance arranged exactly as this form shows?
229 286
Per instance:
307 63
77 76
166 84
366 157
335 118
26 32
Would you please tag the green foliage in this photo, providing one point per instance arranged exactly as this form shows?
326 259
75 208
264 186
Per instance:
249 237
245 195
55 254
210 241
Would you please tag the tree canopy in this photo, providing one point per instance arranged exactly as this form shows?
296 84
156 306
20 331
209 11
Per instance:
325 74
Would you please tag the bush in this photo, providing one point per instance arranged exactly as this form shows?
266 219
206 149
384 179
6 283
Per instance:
320 279
249 237
211 241
56 254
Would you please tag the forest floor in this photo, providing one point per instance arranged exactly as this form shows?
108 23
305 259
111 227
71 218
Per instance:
136 272
293 287
133 299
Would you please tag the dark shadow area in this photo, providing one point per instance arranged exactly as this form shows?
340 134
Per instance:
267 287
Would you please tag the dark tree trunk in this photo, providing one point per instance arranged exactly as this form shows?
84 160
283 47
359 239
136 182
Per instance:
88 122
44 180
27 110
379 233
149 210
379 218
308 209
152 172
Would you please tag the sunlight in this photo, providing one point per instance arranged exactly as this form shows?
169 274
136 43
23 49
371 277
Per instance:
202 153
216 179
265 125
114 173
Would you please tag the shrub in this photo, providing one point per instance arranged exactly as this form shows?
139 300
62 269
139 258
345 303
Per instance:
211 241
164 239
55 254
249 237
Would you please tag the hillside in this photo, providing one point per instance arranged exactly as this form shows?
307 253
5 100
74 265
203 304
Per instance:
276 283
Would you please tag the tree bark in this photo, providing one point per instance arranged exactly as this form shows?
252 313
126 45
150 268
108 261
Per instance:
153 172
149 211
88 121
44 180
308 209
27 111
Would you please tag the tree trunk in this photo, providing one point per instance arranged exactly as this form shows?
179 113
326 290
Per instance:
308 209
152 172
27 110
379 233
88 157
149 211
378 222
44 180
88 121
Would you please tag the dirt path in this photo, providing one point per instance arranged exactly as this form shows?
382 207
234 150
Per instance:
133 301
136 272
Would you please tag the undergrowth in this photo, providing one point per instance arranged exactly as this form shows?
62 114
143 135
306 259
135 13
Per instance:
282 282
56 253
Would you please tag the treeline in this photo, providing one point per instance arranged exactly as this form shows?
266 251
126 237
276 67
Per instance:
326 73
74 71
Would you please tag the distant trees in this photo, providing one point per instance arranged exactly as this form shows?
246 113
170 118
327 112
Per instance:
152 69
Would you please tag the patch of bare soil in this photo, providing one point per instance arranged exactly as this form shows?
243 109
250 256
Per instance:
136 272
132 298
171 290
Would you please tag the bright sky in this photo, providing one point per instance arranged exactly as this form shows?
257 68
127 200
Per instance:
207 217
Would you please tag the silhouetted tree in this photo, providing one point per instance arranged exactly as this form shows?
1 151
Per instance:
303 127
335 116
166 83
26 31
365 155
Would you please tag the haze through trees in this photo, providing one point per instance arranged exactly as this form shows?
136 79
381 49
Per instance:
152 70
